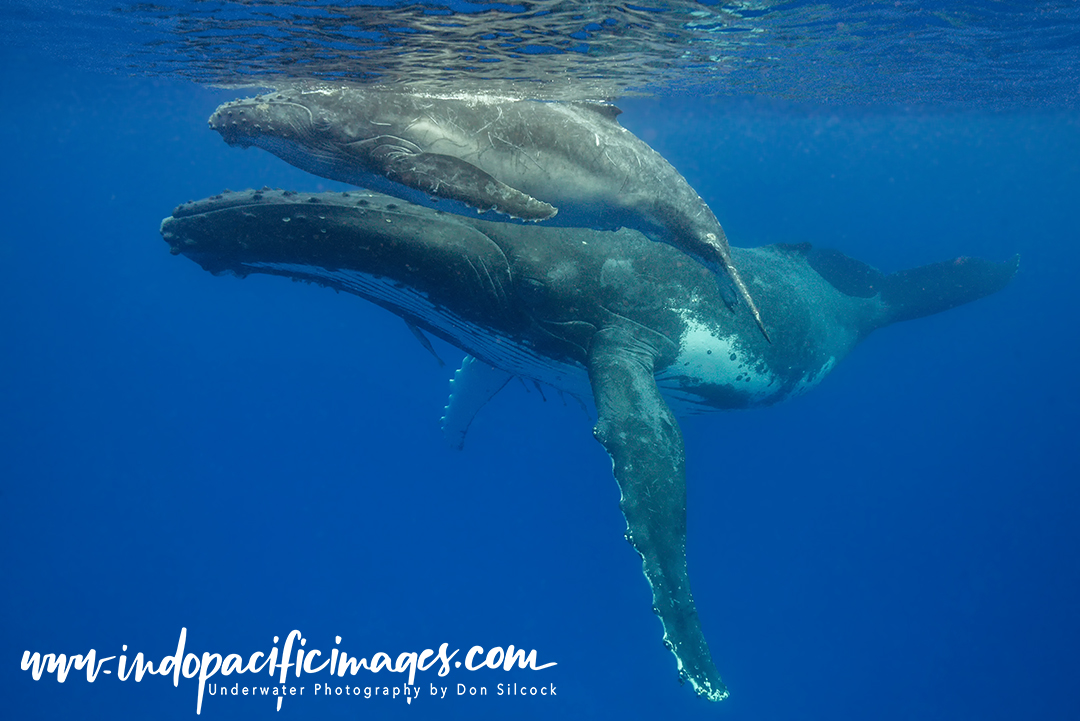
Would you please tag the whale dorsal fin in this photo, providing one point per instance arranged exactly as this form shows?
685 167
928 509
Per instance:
445 176
607 110
472 386
849 276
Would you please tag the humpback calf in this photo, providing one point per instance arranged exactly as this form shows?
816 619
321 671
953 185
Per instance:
523 158
603 314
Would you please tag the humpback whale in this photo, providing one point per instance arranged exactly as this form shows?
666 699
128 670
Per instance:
524 158
605 315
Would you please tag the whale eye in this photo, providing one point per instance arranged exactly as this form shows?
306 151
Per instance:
532 291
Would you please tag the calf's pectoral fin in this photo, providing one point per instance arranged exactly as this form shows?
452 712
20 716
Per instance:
642 436
445 176
719 260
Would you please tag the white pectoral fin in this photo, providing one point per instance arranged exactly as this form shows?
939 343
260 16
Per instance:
472 386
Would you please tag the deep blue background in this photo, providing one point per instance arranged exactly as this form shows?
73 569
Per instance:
245 458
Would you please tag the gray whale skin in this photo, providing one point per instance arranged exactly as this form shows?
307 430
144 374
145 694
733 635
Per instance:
601 314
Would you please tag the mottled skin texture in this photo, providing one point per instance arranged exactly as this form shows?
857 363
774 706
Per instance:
631 320
565 163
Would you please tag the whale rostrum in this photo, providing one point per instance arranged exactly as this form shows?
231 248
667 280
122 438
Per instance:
602 315
563 163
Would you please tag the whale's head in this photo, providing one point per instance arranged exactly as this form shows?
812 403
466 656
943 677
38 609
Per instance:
280 116
301 128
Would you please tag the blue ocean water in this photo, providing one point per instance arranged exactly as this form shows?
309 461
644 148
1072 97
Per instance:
245 458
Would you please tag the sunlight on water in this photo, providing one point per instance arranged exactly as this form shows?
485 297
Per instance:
996 55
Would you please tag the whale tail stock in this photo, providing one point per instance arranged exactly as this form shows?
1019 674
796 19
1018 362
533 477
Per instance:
916 292
929 289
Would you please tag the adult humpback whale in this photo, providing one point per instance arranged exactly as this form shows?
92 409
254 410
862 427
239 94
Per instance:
524 158
606 314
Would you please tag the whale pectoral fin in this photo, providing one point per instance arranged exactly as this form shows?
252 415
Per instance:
445 176
424 341
642 436
472 386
